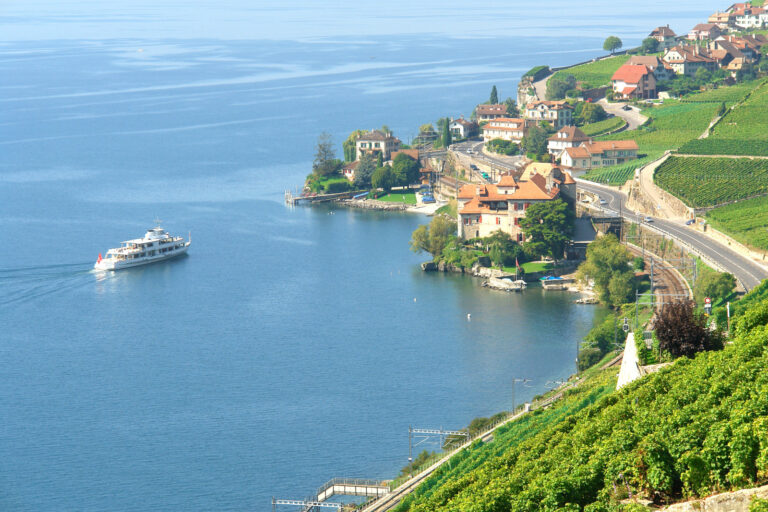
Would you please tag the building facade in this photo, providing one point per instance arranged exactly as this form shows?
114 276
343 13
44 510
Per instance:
557 113
591 155
375 142
505 128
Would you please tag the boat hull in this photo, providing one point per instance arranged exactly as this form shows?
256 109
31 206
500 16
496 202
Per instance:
105 264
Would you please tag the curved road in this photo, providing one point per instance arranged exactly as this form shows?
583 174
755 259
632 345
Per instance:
749 273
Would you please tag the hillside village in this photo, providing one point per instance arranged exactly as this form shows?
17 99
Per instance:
574 126
676 132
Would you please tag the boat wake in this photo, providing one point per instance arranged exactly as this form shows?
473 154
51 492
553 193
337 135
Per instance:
25 284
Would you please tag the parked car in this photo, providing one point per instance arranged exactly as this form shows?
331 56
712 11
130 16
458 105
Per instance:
689 222
473 167
603 201
626 107
648 219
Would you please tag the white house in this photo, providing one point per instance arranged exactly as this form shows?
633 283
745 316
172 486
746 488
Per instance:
567 137
598 154
462 129
505 128
557 113
375 142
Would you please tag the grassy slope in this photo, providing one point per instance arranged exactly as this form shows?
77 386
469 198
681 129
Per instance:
600 127
702 181
594 74
696 427
672 124
743 130
746 221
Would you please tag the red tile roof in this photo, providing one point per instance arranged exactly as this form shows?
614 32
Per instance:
630 73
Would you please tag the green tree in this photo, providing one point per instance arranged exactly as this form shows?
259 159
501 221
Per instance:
703 75
612 43
434 237
606 257
548 226
682 332
512 110
502 250
325 162
364 172
535 141
405 169
638 264
586 113
350 145
715 285
649 45
621 287
384 178
557 88
446 134
494 96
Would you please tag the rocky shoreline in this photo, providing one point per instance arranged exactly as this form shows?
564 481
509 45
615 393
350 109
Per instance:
373 204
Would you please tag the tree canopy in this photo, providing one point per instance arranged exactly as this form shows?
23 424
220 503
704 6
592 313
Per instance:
607 265
405 170
556 88
364 171
494 95
585 113
535 141
325 162
682 332
612 43
548 227
649 45
384 178
434 237
350 145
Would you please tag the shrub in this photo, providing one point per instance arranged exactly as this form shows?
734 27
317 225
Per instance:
682 332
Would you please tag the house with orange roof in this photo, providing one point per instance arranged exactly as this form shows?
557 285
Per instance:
634 81
485 209
557 113
505 128
595 154
653 63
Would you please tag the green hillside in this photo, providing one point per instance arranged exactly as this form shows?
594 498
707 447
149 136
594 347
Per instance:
696 427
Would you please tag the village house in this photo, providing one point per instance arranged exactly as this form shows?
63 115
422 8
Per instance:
463 129
704 31
687 59
749 45
665 36
634 81
557 113
727 55
655 64
348 171
485 209
375 142
595 154
751 17
505 128
724 20
490 112
567 137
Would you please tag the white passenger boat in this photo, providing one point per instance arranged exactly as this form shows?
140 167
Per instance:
157 245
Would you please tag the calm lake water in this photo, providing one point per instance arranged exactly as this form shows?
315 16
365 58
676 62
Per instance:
290 346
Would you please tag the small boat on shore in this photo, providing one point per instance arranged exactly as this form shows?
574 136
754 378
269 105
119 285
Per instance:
156 245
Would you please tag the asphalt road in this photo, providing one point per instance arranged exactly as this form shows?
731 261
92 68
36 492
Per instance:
749 273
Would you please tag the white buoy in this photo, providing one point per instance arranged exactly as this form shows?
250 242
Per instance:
414 299
469 317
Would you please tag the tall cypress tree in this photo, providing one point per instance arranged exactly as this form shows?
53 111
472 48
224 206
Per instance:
494 96
447 133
